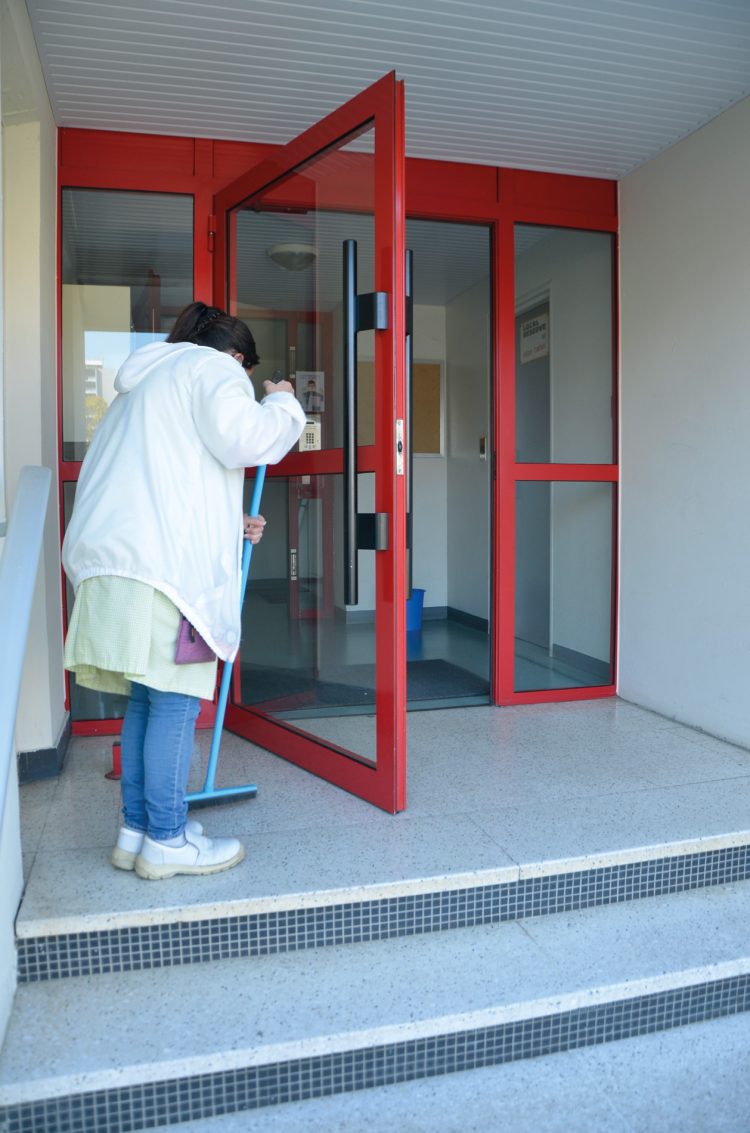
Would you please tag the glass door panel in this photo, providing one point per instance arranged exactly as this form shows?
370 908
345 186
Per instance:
322 646
449 617
303 658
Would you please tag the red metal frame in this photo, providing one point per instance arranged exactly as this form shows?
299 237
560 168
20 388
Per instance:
524 198
447 191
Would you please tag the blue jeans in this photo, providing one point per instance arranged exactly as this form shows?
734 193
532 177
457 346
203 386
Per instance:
157 746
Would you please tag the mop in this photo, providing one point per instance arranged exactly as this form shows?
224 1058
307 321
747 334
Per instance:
210 793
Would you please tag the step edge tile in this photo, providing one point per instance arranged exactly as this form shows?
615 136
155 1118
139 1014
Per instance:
39 928
249 906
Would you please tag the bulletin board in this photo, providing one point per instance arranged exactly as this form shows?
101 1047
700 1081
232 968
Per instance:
428 406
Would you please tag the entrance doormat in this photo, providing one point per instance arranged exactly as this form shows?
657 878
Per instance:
286 689
441 680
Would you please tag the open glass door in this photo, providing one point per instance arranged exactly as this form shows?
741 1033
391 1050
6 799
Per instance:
310 252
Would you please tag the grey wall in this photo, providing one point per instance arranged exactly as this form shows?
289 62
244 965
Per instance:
28 386
685 542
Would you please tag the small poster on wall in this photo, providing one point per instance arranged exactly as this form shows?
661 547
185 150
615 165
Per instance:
535 337
311 390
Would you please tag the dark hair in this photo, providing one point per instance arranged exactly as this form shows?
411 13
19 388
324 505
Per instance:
210 326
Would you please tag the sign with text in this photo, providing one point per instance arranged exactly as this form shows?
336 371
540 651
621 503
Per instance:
535 337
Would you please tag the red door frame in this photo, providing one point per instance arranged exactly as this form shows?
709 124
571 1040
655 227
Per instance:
435 190
381 106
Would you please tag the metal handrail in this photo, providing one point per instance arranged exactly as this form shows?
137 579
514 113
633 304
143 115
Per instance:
18 569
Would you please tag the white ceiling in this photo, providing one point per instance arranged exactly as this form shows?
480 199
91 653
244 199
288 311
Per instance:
591 87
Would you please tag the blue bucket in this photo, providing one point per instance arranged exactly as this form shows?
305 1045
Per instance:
414 609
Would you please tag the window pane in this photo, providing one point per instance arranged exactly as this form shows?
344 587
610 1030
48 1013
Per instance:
127 272
564 353
563 630
87 703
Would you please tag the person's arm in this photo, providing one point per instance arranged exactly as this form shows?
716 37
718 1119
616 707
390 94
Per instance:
238 430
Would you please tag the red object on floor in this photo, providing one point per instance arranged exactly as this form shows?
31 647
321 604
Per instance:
116 771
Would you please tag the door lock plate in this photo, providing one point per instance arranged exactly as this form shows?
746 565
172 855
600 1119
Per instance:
399 446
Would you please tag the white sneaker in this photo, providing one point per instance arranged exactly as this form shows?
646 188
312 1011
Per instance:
198 855
129 843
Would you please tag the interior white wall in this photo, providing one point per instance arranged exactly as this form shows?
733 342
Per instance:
468 476
430 560
685 540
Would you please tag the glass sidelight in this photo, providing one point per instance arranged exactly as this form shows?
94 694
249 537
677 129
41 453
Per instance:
565 452
127 271
564 346
564 596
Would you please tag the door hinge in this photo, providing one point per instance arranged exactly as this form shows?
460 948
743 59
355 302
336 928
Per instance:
211 232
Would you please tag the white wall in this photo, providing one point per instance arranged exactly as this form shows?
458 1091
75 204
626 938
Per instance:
430 560
468 538
30 414
685 543
30 405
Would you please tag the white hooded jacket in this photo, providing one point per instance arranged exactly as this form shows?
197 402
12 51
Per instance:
159 497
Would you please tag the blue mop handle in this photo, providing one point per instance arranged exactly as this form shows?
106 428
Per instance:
247 550
226 676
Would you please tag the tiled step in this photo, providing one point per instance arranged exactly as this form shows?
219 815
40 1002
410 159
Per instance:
135 1050
686 1080
155 936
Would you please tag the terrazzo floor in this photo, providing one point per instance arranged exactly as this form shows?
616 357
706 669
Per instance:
487 788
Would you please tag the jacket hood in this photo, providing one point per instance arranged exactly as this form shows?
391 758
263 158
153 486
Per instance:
140 363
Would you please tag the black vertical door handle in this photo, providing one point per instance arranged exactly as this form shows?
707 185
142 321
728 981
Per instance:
370 531
351 579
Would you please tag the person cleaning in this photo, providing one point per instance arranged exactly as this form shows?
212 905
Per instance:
153 550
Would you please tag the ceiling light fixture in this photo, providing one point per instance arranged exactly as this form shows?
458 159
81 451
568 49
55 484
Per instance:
292 257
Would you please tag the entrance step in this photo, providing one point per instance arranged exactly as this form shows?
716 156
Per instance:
55 946
686 1080
133 1050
